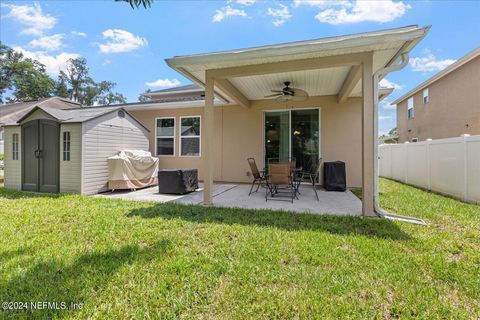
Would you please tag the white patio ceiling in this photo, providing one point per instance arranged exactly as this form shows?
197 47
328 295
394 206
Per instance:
386 46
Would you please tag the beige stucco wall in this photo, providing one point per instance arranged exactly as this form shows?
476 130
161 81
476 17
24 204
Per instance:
238 135
454 104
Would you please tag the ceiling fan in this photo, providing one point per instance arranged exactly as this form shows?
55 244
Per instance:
288 94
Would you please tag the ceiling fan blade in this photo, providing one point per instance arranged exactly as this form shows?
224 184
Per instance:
278 91
274 95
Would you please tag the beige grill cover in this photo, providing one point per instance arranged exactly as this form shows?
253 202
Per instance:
132 169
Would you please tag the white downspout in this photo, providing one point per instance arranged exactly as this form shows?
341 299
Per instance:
376 204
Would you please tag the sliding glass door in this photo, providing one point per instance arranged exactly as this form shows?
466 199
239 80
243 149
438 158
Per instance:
292 134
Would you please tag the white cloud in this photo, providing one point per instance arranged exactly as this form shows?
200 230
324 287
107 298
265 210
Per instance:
280 15
78 33
245 2
322 4
50 43
387 105
118 40
381 118
32 17
53 63
106 62
226 12
429 63
389 84
163 83
341 12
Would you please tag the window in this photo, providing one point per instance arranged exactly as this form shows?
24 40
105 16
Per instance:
425 96
15 146
410 110
190 136
165 136
414 139
66 146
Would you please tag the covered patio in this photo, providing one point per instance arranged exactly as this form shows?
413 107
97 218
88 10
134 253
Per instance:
340 74
236 196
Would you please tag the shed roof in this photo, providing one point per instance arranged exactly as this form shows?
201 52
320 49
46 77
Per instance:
10 113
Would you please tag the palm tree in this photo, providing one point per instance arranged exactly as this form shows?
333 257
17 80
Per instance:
137 3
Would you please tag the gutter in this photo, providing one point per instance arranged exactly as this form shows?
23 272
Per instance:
376 203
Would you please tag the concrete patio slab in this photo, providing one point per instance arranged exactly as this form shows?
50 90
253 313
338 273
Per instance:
236 196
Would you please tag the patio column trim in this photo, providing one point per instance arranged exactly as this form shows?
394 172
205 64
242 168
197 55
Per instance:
208 140
367 138
289 66
351 81
227 87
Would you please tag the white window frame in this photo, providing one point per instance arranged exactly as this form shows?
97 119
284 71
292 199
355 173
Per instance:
410 106
426 95
15 146
188 137
174 138
67 142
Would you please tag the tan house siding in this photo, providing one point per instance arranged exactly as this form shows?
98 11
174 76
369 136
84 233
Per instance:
453 109
13 168
71 171
238 135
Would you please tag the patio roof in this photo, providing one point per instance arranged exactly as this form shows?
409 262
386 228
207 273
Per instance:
241 84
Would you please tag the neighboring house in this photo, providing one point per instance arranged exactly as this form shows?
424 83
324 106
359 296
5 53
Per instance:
227 116
66 150
446 105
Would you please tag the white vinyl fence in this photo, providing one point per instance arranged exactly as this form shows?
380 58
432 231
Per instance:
449 166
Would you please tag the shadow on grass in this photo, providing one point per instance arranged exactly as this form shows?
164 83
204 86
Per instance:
53 281
289 221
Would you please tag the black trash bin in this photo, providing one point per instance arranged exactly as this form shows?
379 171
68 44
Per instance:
177 181
334 177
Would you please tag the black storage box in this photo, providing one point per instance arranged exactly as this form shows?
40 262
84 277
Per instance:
177 181
334 178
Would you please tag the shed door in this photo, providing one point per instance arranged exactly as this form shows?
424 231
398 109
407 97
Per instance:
29 161
49 156
40 156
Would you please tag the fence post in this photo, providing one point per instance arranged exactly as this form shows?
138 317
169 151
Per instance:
465 167
429 181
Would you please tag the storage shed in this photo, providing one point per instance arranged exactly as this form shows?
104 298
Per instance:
66 150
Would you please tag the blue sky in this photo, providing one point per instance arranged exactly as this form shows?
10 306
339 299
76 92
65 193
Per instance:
129 46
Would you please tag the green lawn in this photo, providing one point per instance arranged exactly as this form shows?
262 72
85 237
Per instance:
135 260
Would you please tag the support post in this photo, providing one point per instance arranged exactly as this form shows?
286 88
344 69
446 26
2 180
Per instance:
208 140
367 138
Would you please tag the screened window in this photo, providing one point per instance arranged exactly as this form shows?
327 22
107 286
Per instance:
15 146
66 146
165 136
410 108
426 97
190 136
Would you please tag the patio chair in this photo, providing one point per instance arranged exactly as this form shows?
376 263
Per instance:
258 176
279 182
312 175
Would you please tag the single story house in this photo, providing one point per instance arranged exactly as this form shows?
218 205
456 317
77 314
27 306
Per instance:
325 105
66 150
229 100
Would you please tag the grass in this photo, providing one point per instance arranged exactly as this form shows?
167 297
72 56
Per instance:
122 259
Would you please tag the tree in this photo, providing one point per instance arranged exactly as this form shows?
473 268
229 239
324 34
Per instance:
83 89
137 3
143 97
26 77
76 76
393 132
61 89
